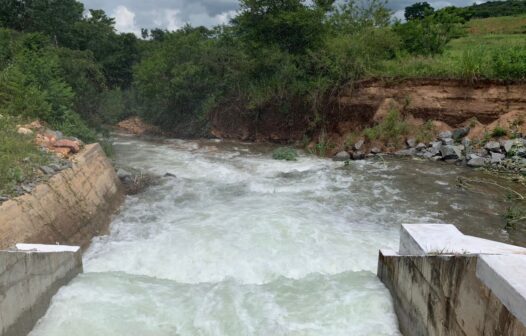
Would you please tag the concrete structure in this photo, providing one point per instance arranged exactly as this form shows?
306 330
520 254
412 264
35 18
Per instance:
446 283
29 277
72 207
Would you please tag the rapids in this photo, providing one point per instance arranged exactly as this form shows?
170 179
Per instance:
241 244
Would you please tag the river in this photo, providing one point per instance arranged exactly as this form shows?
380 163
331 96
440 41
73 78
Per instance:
241 244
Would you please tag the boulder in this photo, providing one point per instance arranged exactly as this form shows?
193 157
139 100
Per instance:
358 146
406 152
476 162
466 142
73 145
358 155
445 135
436 144
47 170
375 150
411 142
123 174
24 131
451 152
342 156
493 146
497 157
460 133
448 142
62 151
421 146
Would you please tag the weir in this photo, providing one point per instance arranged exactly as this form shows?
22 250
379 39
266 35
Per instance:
446 283
29 277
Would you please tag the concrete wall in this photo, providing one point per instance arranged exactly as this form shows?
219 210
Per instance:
71 208
445 283
28 281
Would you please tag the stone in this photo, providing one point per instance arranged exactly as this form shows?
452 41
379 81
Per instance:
24 131
47 170
460 133
436 144
448 142
493 146
4 199
497 157
411 142
359 145
62 151
445 135
476 161
123 174
66 143
341 156
466 142
169 175
521 152
421 146
358 155
451 152
26 188
55 167
375 150
406 152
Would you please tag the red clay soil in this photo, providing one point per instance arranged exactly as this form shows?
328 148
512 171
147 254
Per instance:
449 103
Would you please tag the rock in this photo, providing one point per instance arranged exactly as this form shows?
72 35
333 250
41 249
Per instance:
521 152
509 144
411 142
26 188
62 151
448 142
47 170
493 146
123 174
436 144
342 156
476 161
169 175
421 146
358 155
459 133
497 157
359 145
375 150
73 145
406 152
451 152
445 135
466 142
24 131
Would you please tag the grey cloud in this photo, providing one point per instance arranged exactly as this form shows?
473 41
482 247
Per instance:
175 13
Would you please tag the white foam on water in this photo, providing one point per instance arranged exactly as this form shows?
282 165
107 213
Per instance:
239 244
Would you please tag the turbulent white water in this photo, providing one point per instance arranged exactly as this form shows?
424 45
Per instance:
240 244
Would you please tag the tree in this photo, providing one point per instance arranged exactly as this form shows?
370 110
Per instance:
418 11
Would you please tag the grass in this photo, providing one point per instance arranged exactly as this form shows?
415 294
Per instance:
495 49
497 25
285 153
19 157
391 130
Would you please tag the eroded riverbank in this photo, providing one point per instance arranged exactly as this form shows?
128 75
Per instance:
239 243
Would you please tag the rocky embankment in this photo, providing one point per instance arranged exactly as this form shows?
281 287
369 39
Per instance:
59 151
454 147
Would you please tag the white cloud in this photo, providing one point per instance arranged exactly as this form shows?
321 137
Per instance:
125 20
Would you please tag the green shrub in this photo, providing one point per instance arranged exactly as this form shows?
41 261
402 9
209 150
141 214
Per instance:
392 129
285 153
499 132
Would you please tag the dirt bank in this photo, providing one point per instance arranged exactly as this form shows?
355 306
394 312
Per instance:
451 103
71 208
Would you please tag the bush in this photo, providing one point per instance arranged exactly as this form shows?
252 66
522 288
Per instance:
392 129
498 132
285 153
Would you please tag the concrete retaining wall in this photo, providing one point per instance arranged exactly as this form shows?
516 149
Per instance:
28 280
71 208
445 283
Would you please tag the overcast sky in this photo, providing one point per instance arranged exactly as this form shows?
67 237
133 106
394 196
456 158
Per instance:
131 15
